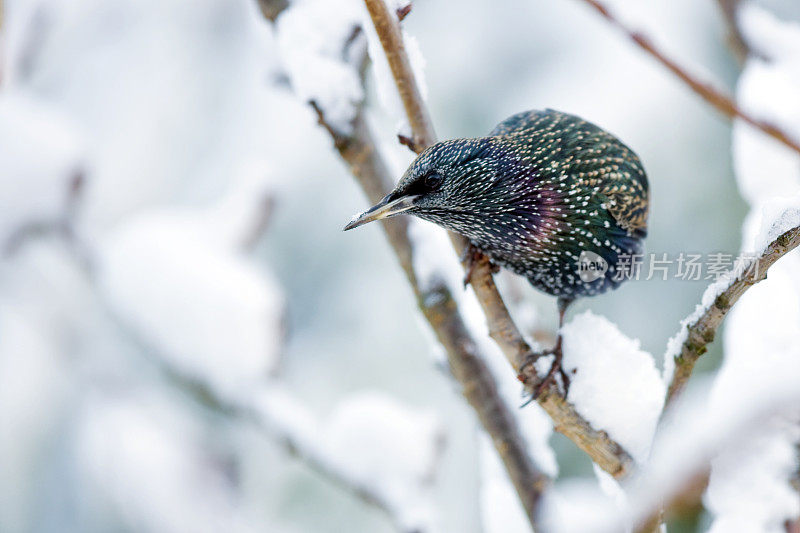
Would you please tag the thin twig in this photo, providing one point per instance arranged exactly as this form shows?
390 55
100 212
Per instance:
714 96
467 365
735 38
272 8
391 38
700 333
608 454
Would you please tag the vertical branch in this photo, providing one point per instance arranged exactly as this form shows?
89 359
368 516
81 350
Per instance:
436 302
391 37
608 454
735 38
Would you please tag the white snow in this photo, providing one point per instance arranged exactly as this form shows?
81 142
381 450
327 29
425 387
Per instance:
33 383
382 442
577 505
750 480
316 42
767 88
40 156
142 460
748 489
203 307
616 387
501 510
370 440
768 219
777 216
313 38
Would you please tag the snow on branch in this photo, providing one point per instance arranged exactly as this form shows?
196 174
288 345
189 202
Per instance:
706 90
698 329
607 453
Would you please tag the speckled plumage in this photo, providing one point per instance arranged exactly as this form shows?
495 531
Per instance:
540 189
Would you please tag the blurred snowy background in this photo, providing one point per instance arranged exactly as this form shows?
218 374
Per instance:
180 311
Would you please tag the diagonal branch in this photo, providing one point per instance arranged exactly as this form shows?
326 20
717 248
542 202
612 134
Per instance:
436 302
359 150
700 330
715 97
608 454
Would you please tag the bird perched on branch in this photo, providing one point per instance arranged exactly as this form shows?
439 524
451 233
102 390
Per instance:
546 194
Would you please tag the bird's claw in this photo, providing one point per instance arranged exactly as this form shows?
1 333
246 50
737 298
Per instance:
549 378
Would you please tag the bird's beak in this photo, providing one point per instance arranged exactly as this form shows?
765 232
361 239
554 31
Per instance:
383 209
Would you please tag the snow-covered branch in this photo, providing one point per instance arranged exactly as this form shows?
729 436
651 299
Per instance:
706 90
357 146
698 329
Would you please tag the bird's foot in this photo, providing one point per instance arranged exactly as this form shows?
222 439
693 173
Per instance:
556 368
471 257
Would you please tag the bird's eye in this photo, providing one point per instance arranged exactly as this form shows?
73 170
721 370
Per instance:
432 181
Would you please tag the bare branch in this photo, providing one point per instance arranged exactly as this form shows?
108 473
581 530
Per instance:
608 454
391 38
735 38
715 97
700 332
272 8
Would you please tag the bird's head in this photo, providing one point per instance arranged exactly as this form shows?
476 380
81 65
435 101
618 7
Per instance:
447 183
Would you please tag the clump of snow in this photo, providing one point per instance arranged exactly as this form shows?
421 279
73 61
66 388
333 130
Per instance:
578 505
369 440
616 387
204 307
314 37
40 156
767 88
142 459
320 43
380 441
748 489
778 215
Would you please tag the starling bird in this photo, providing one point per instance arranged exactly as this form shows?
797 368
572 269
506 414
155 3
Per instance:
546 194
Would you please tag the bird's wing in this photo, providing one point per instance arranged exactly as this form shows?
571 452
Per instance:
594 157
522 121
627 201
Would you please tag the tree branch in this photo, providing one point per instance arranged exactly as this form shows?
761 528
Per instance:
358 150
717 98
700 332
272 8
609 455
735 38
436 302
